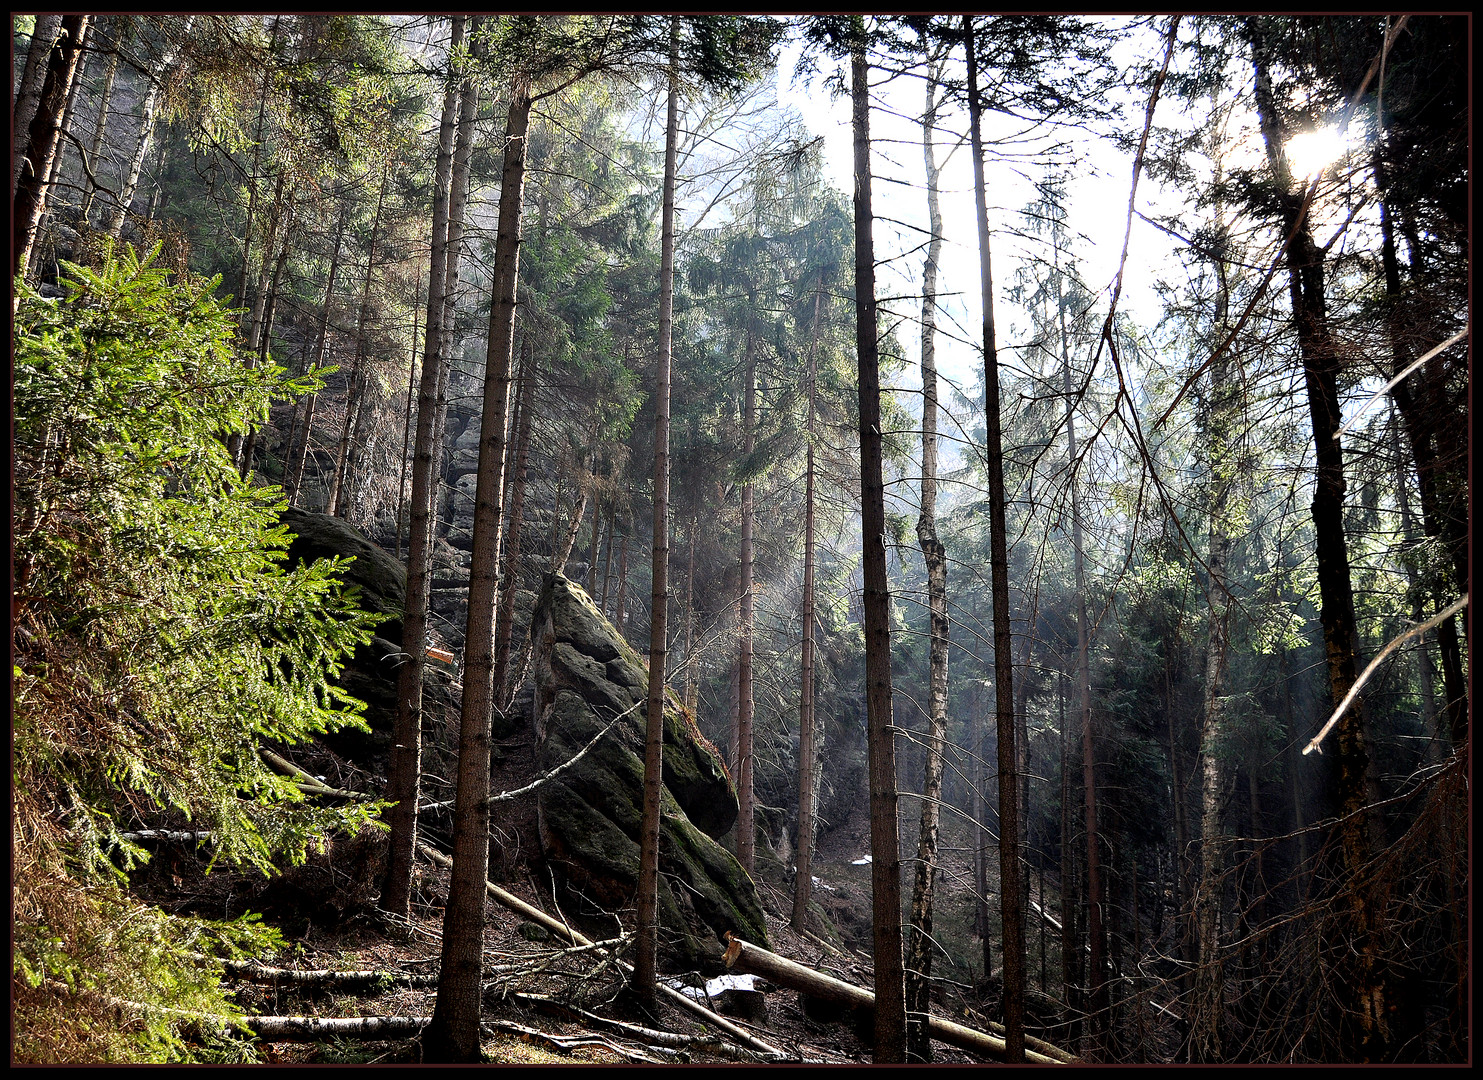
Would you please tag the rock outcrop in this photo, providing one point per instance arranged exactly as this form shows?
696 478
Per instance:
585 676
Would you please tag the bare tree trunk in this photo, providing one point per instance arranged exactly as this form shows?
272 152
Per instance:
885 869
101 129
337 503
746 824
401 489
44 35
406 753
607 564
42 135
150 111
919 941
284 250
1010 889
804 846
454 1031
691 683
1368 1034
1070 943
564 552
510 571
69 111
297 457
645 968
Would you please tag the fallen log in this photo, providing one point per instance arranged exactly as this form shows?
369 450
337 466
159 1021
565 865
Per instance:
314 1028
752 959
251 971
536 915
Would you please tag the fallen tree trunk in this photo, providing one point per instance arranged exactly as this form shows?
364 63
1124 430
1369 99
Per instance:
753 960
251 971
539 917
314 1028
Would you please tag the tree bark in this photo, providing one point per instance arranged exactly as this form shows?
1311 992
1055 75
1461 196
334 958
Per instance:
645 970
100 130
1368 1035
510 572
69 110
919 942
746 824
406 753
454 1031
44 36
42 135
1010 907
150 111
297 457
804 845
885 869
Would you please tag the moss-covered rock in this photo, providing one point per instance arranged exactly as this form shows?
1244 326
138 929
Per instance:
586 675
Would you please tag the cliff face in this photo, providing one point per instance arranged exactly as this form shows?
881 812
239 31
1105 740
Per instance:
585 676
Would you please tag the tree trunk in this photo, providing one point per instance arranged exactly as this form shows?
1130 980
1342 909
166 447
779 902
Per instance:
69 111
406 753
150 111
746 823
338 503
401 488
100 130
885 869
569 541
297 457
1010 889
645 970
804 845
607 564
44 36
454 1031
42 135
919 942
510 570
1367 1037
284 250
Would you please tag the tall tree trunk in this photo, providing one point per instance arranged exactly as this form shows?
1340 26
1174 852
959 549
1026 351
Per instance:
1437 732
42 135
454 1030
569 541
149 113
1071 951
919 942
1367 1036
645 969
1010 889
285 249
44 35
100 130
1208 1020
297 457
510 570
1096 999
607 564
401 489
746 824
406 753
69 110
804 846
338 503
885 869
691 683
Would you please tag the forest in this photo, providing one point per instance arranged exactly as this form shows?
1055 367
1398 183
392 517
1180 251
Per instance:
651 539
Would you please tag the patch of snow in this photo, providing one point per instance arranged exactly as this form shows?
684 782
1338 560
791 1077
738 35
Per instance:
861 862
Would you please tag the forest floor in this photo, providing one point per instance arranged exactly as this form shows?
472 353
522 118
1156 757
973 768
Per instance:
325 911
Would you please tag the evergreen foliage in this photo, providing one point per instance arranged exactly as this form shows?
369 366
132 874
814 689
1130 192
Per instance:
158 641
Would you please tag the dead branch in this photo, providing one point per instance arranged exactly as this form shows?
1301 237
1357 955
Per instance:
652 1036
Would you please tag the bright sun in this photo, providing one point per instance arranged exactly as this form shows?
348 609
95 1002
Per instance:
1313 151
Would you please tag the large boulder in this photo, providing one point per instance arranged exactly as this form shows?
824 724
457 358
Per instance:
371 674
585 676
